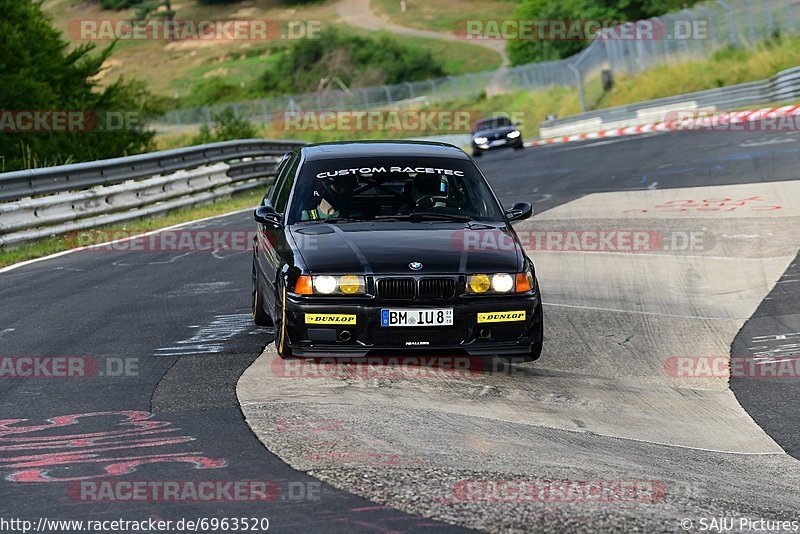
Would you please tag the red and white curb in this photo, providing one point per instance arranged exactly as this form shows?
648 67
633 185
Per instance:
694 120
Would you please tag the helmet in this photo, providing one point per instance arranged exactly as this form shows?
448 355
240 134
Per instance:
337 190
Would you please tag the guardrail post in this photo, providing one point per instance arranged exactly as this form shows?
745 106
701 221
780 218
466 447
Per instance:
770 21
789 16
265 111
579 82
731 26
388 94
751 29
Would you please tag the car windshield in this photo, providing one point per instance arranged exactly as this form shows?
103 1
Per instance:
415 189
495 122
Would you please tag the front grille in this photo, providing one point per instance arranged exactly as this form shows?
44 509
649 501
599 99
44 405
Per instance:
437 288
396 288
436 335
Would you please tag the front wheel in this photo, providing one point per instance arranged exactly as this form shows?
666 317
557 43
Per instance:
476 153
281 336
260 316
536 348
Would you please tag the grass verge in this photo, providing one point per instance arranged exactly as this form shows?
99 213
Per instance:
51 245
443 15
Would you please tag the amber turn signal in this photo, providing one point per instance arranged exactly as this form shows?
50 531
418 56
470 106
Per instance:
303 285
524 282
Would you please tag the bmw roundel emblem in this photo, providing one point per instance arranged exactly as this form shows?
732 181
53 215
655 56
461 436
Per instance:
415 266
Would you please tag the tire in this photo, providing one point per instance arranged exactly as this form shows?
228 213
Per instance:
520 146
281 336
260 316
536 348
476 153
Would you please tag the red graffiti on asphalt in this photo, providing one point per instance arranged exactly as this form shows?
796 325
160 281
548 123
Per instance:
754 203
115 442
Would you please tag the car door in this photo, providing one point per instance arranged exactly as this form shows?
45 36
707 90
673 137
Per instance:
271 241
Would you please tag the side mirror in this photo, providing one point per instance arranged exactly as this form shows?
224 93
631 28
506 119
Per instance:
267 215
519 211
517 123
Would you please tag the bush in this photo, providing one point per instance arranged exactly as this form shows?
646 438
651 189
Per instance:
355 60
228 127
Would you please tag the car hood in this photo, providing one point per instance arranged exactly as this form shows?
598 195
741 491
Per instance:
489 133
388 248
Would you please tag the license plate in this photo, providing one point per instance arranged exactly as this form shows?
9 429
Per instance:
498 142
416 317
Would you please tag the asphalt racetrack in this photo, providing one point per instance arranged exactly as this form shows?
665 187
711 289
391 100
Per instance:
629 391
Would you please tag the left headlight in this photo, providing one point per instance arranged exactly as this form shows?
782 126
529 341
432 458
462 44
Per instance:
499 283
513 135
326 284
481 140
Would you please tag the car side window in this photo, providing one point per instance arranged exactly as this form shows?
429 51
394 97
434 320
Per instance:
285 187
280 173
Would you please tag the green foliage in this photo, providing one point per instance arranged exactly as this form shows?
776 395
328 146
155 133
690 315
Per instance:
38 72
528 51
119 4
147 8
228 127
214 90
355 60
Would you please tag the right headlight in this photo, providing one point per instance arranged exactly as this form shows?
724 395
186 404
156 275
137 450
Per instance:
481 140
500 283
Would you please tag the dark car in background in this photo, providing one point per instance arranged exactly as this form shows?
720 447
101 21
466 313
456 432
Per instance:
370 246
495 132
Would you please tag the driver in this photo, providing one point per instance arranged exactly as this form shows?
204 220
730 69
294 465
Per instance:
429 191
331 195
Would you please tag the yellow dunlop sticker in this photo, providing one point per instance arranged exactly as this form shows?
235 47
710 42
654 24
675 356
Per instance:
330 318
501 317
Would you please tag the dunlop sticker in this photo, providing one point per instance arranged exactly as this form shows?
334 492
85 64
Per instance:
330 318
501 317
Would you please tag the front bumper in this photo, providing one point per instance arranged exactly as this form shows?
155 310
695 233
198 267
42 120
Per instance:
498 143
367 336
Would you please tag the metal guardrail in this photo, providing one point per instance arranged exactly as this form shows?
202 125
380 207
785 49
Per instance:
38 203
782 87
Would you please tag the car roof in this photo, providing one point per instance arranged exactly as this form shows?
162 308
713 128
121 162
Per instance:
355 149
493 119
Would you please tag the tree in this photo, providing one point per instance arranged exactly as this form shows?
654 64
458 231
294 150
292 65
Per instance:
39 73
531 50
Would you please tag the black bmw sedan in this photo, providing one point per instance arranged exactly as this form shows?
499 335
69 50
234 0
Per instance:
495 132
368 247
